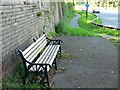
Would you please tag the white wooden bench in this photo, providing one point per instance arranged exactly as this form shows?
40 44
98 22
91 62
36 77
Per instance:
39 57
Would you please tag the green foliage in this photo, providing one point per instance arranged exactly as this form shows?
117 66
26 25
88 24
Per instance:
52 34
34 6
69 10
39 14
64 28
88 26
98 21
15 81
0 86
47 12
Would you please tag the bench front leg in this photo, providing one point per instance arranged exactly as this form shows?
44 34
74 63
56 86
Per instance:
54 64
45 70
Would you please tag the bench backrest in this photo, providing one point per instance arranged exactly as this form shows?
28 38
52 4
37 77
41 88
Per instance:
33 50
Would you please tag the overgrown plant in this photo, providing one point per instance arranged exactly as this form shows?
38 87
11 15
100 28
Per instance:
15 82
47 12
52 34
39 14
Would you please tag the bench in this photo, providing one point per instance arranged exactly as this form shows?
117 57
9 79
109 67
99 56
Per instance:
39 57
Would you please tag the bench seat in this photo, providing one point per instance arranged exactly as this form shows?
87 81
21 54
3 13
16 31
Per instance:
47 57
40 56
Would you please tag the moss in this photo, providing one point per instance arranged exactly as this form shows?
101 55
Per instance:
39 14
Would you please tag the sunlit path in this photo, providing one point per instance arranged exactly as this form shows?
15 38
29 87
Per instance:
74 21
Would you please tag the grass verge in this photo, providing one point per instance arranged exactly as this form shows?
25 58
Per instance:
88 26
64 28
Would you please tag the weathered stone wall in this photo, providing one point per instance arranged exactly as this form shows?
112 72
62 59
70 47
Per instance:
0 45
19 24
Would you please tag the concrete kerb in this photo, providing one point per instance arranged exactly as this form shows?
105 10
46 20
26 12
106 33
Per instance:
100 25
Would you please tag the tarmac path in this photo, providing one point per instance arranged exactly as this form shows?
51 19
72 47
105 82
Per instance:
89 62
92 62
74 21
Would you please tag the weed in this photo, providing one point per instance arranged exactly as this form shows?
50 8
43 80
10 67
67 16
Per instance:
47 12
52 34
39 14
15 81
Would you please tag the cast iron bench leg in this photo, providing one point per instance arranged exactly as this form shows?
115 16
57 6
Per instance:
46 75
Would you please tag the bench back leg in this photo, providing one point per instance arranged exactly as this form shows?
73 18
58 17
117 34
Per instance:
46 76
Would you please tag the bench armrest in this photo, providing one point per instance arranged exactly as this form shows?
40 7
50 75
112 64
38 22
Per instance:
55 41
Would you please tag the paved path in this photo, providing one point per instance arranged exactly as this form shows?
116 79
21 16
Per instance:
92 63
74 21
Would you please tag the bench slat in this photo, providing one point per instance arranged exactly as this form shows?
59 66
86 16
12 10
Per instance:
42 57
36 51
46 51
50 53
37 47
32 45
48 56
37 61
53 55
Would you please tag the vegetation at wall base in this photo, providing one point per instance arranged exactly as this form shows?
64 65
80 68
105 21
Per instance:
52 35
15 82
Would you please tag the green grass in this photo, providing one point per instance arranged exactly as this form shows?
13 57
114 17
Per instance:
88 26
98 21
15 81
64 28
52 35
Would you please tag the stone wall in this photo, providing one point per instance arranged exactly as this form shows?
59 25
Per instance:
19 24
0 45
